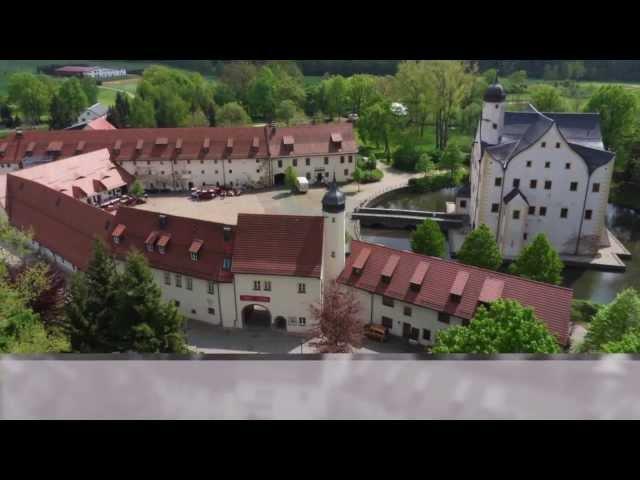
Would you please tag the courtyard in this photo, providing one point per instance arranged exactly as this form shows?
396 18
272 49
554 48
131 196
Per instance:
272 201
205 338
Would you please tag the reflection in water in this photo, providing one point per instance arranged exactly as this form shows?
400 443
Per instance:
587 284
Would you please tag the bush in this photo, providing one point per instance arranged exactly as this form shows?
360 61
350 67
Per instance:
431 183
406 157
583 311
370 176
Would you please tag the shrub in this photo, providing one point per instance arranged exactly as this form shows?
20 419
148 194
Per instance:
431 183
370 176
583 311
406 157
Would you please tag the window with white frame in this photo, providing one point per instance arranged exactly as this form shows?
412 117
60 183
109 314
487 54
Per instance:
189 283
210 285
302 288
178 280
167 278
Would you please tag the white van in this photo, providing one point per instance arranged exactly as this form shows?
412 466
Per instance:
302 184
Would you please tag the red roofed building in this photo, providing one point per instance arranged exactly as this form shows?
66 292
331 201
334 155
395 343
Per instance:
277 265
181 158
91 177
426 294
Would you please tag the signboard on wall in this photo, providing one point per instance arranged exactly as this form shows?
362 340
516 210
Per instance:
253 298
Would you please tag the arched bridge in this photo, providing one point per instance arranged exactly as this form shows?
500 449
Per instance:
406 219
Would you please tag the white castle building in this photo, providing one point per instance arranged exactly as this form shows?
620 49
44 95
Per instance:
534 172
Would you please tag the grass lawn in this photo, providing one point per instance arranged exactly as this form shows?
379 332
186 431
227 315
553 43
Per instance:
312 80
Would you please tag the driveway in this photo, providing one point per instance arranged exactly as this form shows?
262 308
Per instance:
206 338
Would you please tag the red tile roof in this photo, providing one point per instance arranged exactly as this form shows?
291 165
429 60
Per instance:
313 140
196 143
59 222
183 232
491 290
459 283
551 304
79 176
99 123
278 245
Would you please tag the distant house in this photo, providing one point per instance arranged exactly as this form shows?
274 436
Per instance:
97 73
92 113
97 124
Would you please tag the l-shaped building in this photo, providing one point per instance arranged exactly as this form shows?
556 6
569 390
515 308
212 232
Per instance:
267 269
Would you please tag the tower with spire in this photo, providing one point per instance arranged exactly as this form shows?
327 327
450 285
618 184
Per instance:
493 106
333 250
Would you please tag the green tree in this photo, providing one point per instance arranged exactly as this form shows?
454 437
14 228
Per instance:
31 94
67 104
286 111
335 95
480 249
452 159
539 261
141 114
118 115
261 97
358 176
90 311
425 164
21 330
618 109
614 321
547 98
377 124
137 190
412 88
237 76
143 322
361 91
449 83
428 239
90 89
290 178
505 327
231 114
517 82
629 343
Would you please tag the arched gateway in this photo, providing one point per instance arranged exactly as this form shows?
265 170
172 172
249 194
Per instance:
256 316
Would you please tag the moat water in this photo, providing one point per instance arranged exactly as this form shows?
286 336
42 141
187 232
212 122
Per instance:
592 285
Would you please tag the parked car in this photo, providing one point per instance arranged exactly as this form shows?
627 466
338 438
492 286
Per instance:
376 332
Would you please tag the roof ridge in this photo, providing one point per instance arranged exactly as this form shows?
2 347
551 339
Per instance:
464 265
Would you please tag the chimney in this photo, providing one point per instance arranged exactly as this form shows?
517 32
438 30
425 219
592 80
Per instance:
162 221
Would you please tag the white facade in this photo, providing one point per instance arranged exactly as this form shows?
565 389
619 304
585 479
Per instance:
184 174
404 319
285 297
563 193
100 73
333 245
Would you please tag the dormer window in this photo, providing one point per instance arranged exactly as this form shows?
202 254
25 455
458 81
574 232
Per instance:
151 241
117 233
163 241
226 232
226 264
194 249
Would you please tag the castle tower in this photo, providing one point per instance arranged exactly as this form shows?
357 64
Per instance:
333 210
492 120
